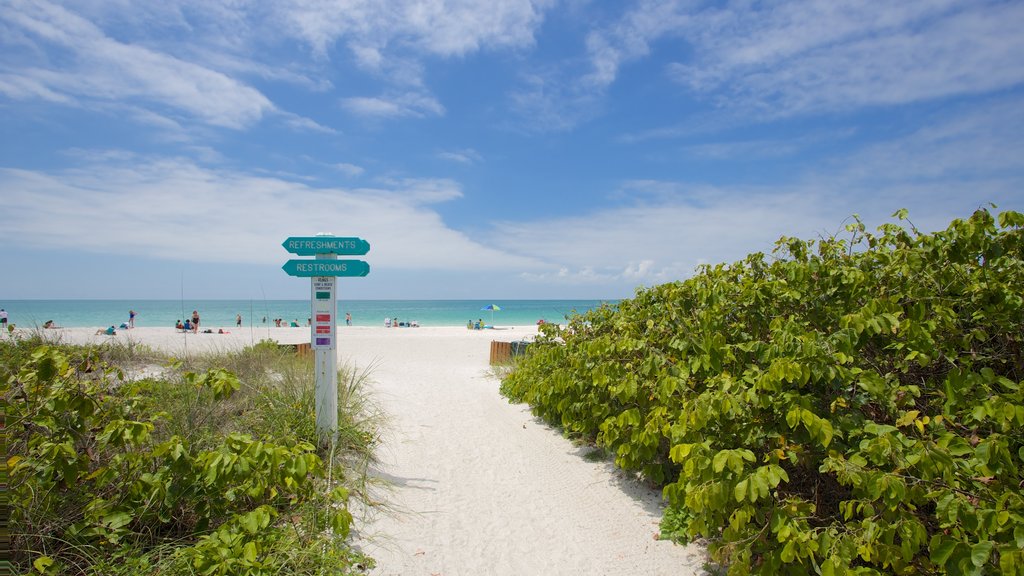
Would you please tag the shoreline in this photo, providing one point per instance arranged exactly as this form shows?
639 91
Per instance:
216 313
172 341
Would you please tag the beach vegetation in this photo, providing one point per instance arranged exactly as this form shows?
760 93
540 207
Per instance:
852 404
212 468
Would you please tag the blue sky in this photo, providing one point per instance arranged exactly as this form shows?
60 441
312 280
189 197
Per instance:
485 148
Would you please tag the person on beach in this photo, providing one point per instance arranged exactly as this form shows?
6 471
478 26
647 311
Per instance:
238 320
195 322
178 325
131 318
3 318
108 332
348 318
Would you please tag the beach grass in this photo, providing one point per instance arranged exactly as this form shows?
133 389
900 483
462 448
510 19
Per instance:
83 502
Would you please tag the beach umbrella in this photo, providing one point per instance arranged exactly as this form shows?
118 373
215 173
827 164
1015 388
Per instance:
492 308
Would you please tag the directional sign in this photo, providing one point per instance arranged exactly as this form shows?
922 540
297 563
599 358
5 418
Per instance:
311 245
310 268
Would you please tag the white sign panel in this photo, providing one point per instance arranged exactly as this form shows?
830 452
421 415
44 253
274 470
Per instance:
323 334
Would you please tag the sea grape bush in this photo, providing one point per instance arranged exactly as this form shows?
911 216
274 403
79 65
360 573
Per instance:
91 484
844 406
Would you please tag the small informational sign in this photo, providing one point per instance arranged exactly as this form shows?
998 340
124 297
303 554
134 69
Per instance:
311 268
324 327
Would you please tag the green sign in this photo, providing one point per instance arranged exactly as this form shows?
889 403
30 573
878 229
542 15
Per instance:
310 268
312 245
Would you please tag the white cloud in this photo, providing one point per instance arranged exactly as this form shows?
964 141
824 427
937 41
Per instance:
664 240
921 56
630 37
306 124
979 143
192 57
962 160
912 57
438 27
548 103
660 231
409 104
174 209
820 55
93 69
425 190
464 156
21 87
349 169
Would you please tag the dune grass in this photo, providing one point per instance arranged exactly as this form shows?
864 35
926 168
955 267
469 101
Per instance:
212 466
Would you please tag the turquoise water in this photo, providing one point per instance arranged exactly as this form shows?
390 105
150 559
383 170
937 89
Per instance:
221 313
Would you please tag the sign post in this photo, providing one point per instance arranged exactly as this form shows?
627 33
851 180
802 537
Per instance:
323 298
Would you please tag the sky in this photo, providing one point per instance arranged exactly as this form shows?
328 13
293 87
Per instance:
486 149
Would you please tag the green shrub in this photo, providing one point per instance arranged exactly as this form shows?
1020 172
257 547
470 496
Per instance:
848 406
103 480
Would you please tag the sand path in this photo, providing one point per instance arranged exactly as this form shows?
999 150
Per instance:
485 488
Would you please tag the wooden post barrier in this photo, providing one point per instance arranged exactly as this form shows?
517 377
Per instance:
501 352
301 349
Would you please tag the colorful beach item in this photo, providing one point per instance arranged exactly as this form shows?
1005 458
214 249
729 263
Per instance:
492 308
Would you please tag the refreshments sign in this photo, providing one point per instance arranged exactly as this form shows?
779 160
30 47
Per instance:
312 245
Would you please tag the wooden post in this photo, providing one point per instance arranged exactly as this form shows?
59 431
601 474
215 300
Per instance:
501 352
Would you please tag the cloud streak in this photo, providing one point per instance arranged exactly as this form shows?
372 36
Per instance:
812 57
406 105
99 71
815 56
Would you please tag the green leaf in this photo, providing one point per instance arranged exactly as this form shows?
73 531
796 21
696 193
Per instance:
719 461
740 491
942 548
793 417
679 452
43 564
117 520
980 553
789 551
249 552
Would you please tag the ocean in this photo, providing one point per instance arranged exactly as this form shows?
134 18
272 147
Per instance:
221 313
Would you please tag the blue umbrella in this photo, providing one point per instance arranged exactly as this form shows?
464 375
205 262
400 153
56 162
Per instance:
492 308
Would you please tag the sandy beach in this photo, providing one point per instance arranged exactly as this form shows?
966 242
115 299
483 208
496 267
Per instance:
479 486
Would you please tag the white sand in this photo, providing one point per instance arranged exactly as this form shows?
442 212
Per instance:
481 487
